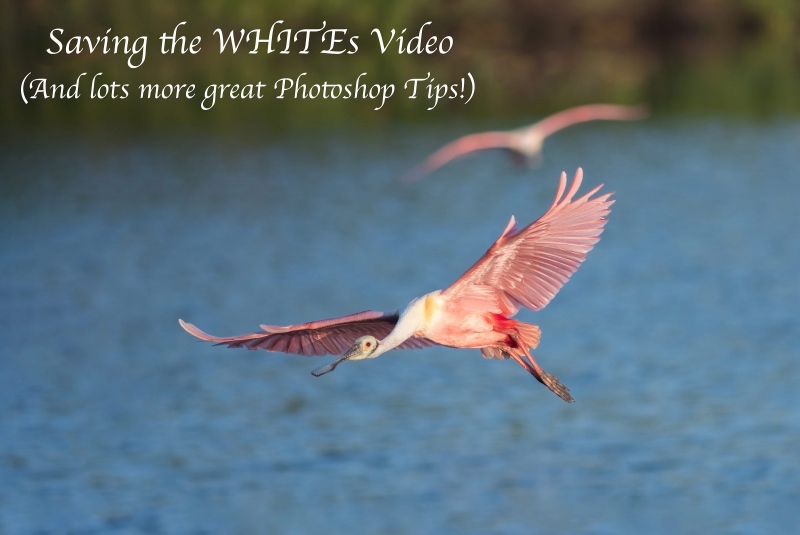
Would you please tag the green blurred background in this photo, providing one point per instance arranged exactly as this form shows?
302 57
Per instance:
528 57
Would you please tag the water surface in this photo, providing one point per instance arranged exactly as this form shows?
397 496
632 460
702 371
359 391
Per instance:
678 338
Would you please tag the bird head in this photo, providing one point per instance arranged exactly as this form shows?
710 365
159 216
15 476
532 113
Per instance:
363 348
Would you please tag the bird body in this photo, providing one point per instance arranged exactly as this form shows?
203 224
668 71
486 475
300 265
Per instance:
445 322
524 144
523 268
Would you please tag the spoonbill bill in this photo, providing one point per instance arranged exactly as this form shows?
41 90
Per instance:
524 144
523 268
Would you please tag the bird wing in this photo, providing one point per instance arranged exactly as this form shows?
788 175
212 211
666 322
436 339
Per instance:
331 336
456 149
527 267
588 112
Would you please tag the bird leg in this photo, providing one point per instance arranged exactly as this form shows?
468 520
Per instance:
550 381
558 388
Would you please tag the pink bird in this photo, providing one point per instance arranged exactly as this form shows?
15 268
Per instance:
524 144
523 268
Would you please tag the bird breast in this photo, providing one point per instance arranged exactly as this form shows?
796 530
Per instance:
449 326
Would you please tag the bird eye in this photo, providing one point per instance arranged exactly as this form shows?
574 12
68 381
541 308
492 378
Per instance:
368 344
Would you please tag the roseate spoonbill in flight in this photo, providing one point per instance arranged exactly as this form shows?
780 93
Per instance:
524 144
523 268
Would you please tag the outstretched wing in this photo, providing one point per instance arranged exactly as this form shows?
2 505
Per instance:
456 149
527 267
331 336
588 112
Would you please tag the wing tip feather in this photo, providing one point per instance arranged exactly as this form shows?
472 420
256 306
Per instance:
194 331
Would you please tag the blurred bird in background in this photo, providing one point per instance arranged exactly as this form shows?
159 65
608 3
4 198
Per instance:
523 144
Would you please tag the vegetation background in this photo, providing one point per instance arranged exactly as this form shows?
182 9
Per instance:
529 57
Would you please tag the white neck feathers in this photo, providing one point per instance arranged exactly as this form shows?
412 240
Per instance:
413 320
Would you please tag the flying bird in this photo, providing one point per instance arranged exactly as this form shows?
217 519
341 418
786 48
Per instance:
524 144
523 268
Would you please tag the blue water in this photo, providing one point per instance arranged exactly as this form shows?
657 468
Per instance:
678 337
